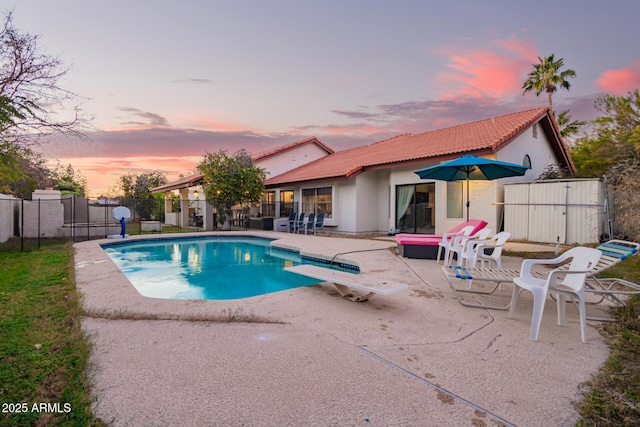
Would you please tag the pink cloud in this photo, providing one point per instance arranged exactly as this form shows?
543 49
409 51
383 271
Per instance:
488 72
620 81
207 123
103 172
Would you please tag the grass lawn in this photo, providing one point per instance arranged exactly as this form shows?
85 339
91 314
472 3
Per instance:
43 351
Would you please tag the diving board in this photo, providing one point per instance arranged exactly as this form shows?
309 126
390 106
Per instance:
344 282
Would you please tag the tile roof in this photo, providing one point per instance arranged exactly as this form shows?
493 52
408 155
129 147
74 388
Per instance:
278 150
488 135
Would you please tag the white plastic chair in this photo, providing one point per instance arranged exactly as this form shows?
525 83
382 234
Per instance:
460 244
474 251
560 282
448 239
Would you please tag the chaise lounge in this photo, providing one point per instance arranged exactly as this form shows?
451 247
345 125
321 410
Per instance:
613 290
425 246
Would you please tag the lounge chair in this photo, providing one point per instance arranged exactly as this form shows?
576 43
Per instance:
344 281
612 290
425 246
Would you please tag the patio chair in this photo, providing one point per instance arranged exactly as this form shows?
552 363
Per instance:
448 243
475 251
291 227
459 244
612 290
300 223
562 282
319 224
310 221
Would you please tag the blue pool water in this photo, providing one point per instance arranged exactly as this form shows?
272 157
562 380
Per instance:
206 268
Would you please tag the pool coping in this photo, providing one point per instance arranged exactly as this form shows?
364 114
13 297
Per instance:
106 291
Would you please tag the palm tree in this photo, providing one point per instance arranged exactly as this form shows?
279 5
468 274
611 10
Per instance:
546 76
568 127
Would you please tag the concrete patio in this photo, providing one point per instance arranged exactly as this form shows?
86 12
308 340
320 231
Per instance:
307 356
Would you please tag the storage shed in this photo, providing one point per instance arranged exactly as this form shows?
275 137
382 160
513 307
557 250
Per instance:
566 210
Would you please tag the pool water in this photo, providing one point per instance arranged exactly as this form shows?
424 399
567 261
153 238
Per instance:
206 268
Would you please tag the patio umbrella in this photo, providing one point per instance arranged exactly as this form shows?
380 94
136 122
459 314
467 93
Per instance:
471 168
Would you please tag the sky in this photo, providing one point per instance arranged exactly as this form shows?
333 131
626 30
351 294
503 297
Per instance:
167 81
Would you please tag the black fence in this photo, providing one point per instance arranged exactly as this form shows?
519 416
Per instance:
76 219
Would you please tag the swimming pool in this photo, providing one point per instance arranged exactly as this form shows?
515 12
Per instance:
206 268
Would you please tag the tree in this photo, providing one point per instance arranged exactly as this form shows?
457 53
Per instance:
546 77
21 170
69 181
137 189
229 180
615 138
29 86
612 149
568 127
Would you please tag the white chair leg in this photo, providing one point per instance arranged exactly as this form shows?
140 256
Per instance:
447 254
561 302
539 298
514 298
583 315
439 253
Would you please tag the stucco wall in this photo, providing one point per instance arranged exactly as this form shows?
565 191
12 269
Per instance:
291 159
344 206
7 204
367 207
48 213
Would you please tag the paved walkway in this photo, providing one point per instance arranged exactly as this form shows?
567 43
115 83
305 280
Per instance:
309 357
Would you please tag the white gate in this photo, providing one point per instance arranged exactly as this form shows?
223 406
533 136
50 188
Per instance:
568 211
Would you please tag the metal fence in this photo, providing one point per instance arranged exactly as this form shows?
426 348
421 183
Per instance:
77 219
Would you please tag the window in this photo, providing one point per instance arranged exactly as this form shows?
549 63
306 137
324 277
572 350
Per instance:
286 203
454 199
526 161
269 203
534 131
317 200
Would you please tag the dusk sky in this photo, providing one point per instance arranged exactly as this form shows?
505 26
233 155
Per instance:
166 81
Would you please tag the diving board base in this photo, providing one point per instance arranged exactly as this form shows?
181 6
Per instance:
346 282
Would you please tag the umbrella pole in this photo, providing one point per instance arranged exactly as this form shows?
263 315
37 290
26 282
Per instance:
468 203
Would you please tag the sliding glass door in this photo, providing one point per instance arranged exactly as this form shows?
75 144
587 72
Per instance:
415 208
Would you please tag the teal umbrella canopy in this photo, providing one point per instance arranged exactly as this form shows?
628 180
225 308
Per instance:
470 168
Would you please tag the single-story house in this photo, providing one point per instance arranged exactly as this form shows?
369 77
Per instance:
373 188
